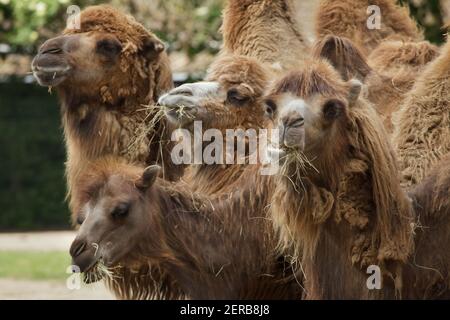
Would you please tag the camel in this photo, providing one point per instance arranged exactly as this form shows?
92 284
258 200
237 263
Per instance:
214 248
422 122
351 208
267 30
388 73
105 73
350 18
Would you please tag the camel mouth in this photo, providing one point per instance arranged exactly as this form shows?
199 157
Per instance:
93 274
180 115
275 153
51 76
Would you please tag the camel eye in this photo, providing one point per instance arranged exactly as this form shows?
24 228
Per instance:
80 220
332 109
270 108
121 210
235 98
109 47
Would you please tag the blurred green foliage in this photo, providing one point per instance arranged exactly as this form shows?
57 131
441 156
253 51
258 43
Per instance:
24 23
429 15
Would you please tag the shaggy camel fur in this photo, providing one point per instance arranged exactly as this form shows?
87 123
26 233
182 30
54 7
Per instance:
432 208
388 73
422 137
106 72
232 98
215 249
338 164
348 18
266 30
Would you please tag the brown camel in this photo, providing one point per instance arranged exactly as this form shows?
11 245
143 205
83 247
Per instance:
105 73
389 72
349 19
267 30
350 207
339 166
422 134
215 249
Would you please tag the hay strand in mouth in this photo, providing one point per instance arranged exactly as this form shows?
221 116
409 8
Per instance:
296 164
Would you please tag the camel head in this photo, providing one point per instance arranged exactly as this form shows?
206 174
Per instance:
231 97
113 215
310 109
110 57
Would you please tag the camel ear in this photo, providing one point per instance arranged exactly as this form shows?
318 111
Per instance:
148 177
345 57
152 47
354 92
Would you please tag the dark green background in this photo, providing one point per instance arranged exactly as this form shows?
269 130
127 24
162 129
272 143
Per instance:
32 185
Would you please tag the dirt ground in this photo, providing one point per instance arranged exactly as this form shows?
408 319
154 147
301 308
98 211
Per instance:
11 289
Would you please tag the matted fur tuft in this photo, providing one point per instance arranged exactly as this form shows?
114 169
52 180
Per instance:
422 137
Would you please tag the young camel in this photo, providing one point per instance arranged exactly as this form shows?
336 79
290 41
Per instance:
350 208
338 164
215 249
105 73
350 18
422 134
389 72
265 30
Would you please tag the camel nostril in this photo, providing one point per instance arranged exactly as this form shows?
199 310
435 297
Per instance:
294 123
77 248
52 51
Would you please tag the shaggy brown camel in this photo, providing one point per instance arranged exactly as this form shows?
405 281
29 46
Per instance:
338 164
105 73
266 30
349 19
389 72
422 134
350 207
215 249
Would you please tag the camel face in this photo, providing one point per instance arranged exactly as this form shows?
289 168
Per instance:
232 98
307 108
110 59
304 125
80 59
218 105
189 102
112 218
